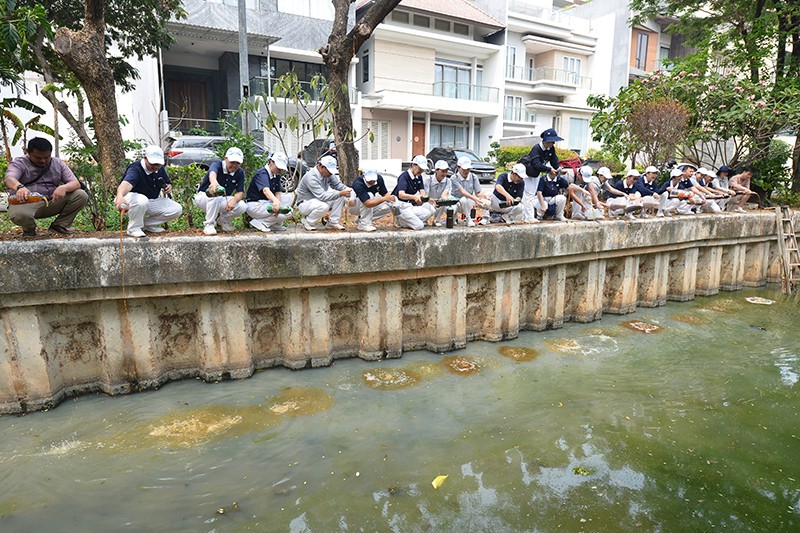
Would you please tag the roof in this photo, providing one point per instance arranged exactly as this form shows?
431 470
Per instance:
458 9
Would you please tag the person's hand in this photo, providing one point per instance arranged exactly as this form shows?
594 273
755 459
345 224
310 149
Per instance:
168 188
417 199
543 206
22 194
389 198
276 209
231 204
553 172
121 204
58 194
345 192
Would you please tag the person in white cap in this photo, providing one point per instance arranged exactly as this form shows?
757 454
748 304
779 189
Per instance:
720 183
370 200
507 197
467 189
586 188
221 193
412 211
139 194
551 200
715 199
629 201
648 188
267 205
439 186
679 187
321 192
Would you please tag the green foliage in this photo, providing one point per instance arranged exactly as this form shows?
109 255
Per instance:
506 156
197 130
18 27
770 172
184 186
563 153
606 159
3 167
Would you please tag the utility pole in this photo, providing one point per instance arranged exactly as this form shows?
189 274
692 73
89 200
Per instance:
244 69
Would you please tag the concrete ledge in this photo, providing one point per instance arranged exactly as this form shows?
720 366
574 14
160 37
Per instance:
219 308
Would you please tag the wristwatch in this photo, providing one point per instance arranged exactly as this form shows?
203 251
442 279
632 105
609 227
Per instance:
21 185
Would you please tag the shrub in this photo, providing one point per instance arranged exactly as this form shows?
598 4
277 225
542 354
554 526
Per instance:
184 186
508 155
605 159
770 171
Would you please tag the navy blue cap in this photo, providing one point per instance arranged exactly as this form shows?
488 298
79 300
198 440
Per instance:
549 135
724 168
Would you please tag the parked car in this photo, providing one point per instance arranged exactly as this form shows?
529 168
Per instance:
314 150
485 171
202 151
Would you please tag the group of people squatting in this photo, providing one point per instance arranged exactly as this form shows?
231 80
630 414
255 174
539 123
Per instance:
534 189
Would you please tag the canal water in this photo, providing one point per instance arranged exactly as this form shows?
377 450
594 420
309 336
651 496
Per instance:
681 418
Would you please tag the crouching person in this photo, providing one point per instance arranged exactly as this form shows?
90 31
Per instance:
439 187
320 192
467 189
371 200
140 194
412 211
267 206
45 186
221 192
551 201
507 198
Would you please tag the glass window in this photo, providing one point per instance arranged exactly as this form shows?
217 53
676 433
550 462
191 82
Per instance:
441 25
365 67
641 51
461 29
572 69
578 134
511 60
400 16
663 55
514 110
424 22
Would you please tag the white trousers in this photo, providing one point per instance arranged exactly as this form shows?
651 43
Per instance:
367 215
650 202
530 199
559 200
216 211
413 216
259 211
514 213
314 209
146 213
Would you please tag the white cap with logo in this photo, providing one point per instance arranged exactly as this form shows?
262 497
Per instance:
421 161
370 175
605 172
465 162
329 162
586 171
280 160
234 155
519 170
633 172
441 165
154 155
650 169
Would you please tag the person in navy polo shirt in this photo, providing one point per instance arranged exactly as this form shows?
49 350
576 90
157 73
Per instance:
140 194
370 199
542 160
551 201
222 207
412 211
509 189
626 200
647 186
264 196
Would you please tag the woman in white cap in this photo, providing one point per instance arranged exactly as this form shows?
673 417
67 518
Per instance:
267 205
221 193
467 189
652 200
586 190
412 211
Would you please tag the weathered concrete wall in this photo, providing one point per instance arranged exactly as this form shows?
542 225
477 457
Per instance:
223 307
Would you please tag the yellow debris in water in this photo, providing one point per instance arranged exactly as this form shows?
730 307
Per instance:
644 327
390 378
461 365
437 482
565 346
760 301
517 353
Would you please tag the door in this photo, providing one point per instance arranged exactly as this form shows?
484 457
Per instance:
187 99
418 139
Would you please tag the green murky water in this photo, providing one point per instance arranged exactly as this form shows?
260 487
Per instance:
594 427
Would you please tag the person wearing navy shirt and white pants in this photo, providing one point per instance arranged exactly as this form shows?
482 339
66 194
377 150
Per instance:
412 211
371 200
265 193
140 194
542 159
222 208
510 186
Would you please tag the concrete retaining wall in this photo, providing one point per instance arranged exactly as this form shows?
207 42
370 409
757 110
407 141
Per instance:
224 306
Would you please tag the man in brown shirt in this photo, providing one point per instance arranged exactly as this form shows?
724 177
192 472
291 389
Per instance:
38 174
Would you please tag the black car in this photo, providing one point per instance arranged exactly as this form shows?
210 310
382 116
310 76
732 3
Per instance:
485 171
202 151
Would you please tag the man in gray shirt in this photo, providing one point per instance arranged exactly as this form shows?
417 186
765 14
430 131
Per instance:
438 186
43 186
467 188
320 192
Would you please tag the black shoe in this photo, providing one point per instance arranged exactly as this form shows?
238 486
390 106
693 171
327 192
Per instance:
55 228
27 233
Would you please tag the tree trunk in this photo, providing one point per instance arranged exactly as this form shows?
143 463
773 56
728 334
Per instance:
84 52
796 162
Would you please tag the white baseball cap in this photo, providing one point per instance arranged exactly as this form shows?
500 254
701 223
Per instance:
371 175
441 165
586 171
605 172
465 162
519 170
633 172
650 169
234 155
421 161
329 162
280 160
675 172
154 155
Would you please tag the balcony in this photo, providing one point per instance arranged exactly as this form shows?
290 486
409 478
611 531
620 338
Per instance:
548 80
518 114
553 17
465 91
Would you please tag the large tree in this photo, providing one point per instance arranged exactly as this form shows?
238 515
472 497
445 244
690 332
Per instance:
759 39
338 55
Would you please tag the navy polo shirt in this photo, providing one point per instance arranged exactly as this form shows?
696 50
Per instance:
644 188
550 188
538 159
624 187
685 183
514 189
409 184
149 185
363 191
233 183
262 180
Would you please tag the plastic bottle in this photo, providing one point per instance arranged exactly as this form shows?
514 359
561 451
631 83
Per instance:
284 209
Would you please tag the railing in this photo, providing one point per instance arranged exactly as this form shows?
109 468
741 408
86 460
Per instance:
560 17
566 77
466 91
518 114
260 84
195 126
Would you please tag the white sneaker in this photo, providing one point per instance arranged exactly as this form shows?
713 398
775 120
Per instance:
366 227
259 225
484 221
278 228
660 214
136 233
740 210
630 216
438 224
154 229
470 223
578 216
561 218
335 225
309 226
208 229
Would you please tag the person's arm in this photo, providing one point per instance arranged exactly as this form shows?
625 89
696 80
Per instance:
215 167
124 188
537 162
576 192
239 195
402 185
315 188
502 190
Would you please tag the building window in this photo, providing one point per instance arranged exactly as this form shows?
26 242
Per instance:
642 41
365 67
663 55
379 149
400 16
449 136
511 60
572 69
319 9
423 22
442 25
578 134
453 79
461 29
514 111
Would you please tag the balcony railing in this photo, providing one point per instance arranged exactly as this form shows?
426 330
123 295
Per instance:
561 17
566 77
261 84
466 91
518 114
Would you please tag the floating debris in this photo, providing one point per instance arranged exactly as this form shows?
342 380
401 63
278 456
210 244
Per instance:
193 428
759 301
725 306
437 482
644 327
461 365
390 378
284 407
580 471
689 319
565 346
517 353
